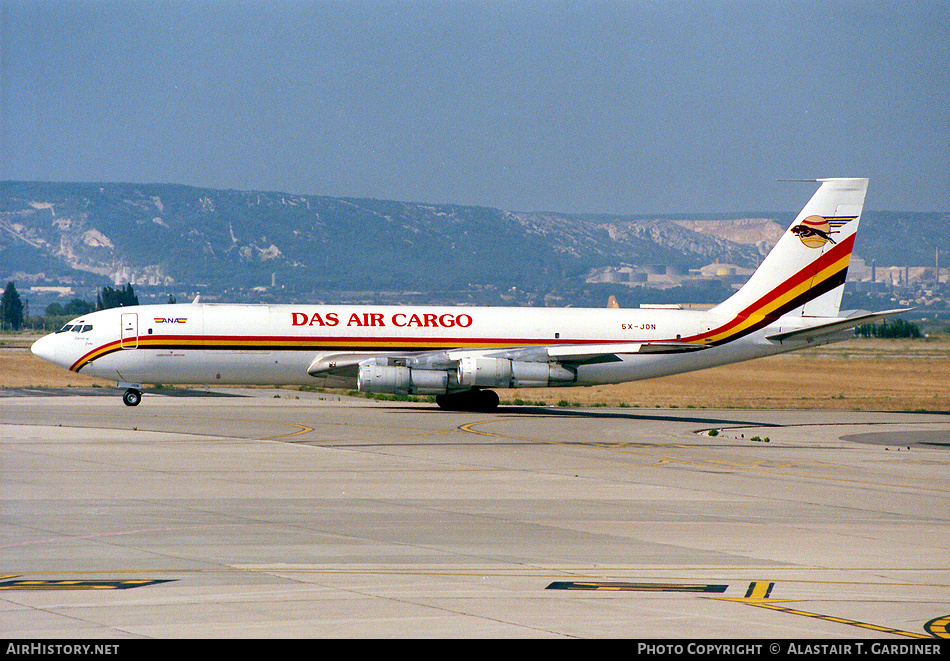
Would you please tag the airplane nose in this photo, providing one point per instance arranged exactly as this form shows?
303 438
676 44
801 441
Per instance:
45 348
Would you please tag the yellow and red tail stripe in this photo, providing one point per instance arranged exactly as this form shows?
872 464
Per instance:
821 276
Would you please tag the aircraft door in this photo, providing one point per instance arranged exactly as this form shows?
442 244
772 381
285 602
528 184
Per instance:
129 338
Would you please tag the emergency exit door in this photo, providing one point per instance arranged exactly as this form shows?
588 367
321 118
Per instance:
130 331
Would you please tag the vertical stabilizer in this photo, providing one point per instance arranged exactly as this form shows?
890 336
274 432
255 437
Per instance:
805 272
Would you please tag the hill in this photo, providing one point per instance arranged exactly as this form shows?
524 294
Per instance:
305 246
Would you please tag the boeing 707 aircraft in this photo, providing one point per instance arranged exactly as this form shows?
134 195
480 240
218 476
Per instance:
459 354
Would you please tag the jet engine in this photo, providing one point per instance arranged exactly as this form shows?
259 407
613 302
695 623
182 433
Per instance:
400 380
485 372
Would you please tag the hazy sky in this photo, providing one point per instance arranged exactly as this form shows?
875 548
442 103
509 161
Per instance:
604 107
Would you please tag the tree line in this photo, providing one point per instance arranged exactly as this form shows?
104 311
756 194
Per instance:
894 328
13 313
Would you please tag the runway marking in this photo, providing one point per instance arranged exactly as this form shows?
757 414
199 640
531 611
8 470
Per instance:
469 427
356 443
634 587
104 534
768 466
759 590
64 584
758 595
303 429
838 620
579 573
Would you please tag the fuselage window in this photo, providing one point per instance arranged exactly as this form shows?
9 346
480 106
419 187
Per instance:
86 328
65 328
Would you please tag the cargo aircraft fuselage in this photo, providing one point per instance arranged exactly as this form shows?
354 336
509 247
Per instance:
460 354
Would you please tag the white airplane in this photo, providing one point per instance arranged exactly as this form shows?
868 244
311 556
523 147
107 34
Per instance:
457 353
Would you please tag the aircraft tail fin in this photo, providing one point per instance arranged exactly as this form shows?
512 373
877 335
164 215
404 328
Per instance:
805 272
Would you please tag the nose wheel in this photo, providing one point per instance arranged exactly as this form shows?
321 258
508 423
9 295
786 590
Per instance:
131 397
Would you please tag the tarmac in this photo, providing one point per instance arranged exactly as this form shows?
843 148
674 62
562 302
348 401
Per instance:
285 514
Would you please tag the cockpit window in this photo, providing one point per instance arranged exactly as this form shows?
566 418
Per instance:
75 328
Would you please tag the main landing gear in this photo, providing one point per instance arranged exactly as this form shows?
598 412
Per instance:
470 400
132 397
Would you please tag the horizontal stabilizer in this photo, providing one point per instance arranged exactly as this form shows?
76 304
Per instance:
832 327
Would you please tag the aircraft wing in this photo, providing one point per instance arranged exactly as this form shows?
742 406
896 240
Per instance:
820 331
347 364
599 353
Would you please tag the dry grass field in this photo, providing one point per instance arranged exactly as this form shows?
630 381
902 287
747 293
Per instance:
875 375
894 375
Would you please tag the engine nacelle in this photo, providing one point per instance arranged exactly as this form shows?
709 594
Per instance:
480 371
400 380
